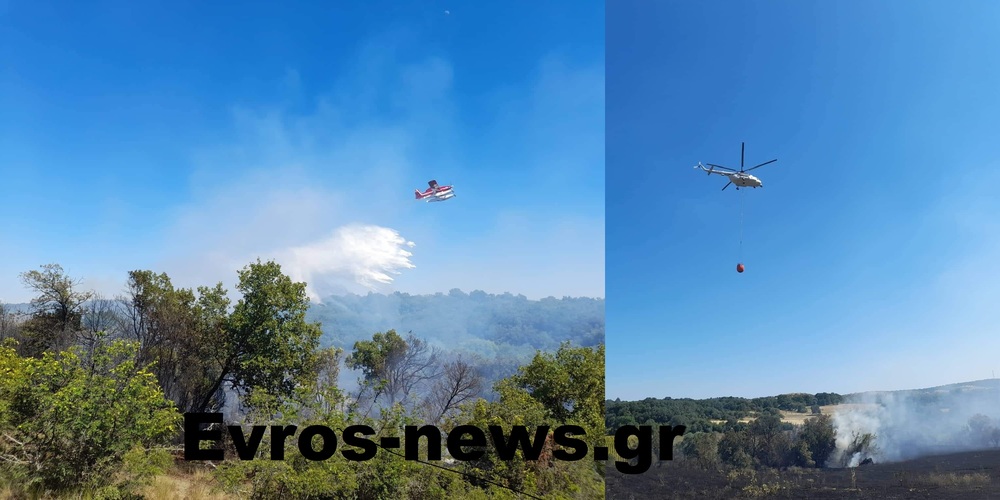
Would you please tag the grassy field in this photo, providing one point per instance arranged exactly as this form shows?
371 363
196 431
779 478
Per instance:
797 418
800 418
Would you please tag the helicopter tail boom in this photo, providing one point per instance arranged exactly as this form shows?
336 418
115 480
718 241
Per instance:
709 170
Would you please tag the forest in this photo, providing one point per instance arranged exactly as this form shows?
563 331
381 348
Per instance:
710 415
93 390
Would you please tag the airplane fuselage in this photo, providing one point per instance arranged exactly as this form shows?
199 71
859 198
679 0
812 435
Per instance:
440 194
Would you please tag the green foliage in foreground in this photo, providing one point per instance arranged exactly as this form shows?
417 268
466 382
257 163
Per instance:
93 394
69 420
390 476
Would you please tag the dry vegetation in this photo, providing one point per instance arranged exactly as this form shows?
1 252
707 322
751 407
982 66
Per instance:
798 418
197 485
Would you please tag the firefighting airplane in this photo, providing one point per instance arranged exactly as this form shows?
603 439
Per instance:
435 192
741 178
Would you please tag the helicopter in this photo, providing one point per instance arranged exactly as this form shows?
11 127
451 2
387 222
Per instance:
739 177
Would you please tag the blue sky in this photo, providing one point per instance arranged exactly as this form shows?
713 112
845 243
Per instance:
873 251
191 138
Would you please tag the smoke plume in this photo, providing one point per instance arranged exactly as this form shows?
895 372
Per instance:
911 424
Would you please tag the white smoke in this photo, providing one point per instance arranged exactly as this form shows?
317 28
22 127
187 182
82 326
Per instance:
911 424
852 421
355 257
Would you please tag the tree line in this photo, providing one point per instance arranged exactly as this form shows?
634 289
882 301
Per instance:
709 415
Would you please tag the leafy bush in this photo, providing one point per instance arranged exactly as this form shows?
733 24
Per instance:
69 420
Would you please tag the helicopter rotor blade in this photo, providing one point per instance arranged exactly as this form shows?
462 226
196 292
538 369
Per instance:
727 185
762 164
743 150
720 166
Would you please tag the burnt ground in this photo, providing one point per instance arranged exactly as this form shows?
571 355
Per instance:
958 476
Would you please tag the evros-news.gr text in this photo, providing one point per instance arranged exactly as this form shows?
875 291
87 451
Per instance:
463 443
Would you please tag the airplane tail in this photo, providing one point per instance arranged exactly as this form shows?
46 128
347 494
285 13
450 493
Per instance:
417 193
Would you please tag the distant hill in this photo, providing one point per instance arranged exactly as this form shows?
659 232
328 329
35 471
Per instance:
475 321
504 330
701 415
976 387
16 308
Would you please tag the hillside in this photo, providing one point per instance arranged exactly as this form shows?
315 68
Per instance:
478 322
703 415
932 393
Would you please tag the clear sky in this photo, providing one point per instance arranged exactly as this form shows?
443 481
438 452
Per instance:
192 138
872 253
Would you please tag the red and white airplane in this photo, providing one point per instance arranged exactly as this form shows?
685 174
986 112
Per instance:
435 192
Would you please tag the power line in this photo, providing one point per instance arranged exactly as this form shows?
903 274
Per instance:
466 474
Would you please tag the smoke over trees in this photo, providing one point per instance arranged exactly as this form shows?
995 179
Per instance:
80 368
846 431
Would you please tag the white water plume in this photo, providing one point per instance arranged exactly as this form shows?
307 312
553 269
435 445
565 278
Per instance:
354 257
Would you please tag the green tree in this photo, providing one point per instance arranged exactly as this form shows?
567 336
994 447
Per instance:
268 344
733 448
801 455
70 422
569 384
57 310
162 320
703 447
819 438
542 477
183 332
566 387
767 441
